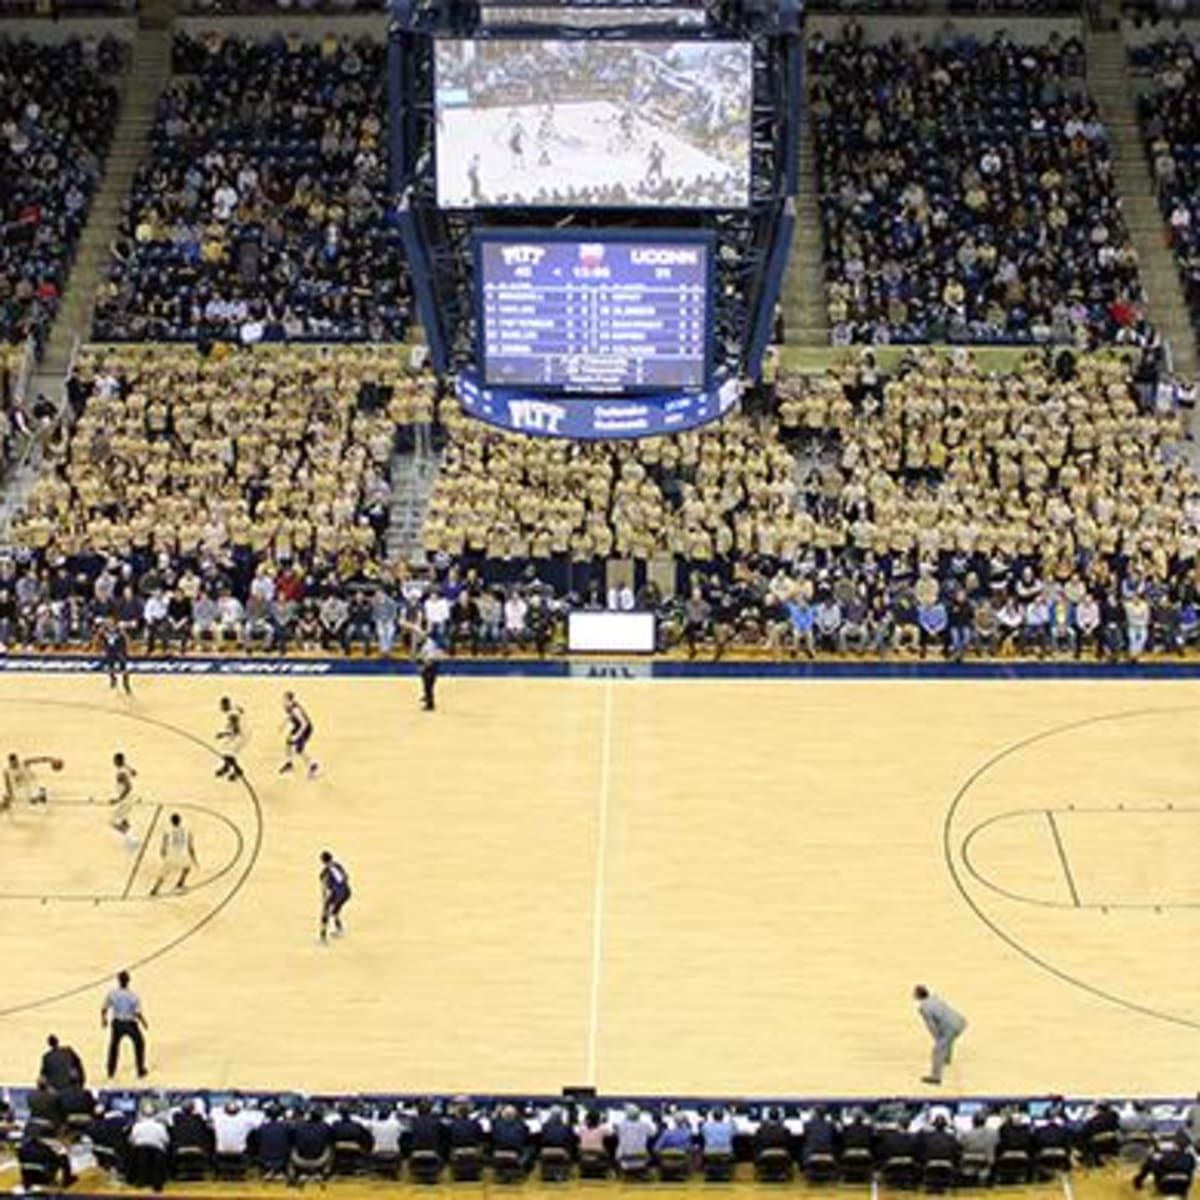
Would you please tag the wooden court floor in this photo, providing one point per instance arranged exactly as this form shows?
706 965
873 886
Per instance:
704 887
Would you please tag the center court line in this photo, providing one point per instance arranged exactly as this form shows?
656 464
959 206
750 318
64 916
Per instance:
598 882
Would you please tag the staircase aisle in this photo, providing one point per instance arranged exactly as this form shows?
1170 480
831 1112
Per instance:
804 317
1112 88
413 477
149 70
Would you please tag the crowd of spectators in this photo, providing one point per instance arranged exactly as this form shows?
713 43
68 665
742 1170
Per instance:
902 1144
967 193
260 212
239 487
935 509
1170 115
58 108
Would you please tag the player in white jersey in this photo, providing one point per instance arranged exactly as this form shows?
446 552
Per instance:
20 782
178 853
123 801
235 735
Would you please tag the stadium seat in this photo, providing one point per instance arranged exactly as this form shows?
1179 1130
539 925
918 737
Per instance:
774 1165
858 1164
1012 1166
424 1166
1102 1146
939 1175
1174 1185
189 1163
348 1158
718 1168
900 1171
674 1166
1052 1160
555 1164
35 1175
231 1167
507 1166
820 1168
634 1168
466 1164
593 1164
300 1170
974 1168
386 1164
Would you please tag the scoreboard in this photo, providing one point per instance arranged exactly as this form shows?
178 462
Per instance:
601 313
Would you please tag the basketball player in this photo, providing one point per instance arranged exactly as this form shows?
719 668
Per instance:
20 783
115 647
124 800
299 727
178 853
516 146
335 891
654 162
235 735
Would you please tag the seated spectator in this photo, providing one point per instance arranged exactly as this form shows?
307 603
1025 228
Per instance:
260 212
676 1134
149 1150
190 1134
556 1133
717 1132
428 1133
312 1147
998 221
58 109
938 1143
233 1124
43 1161
510 1133
271 1143
1173 1168
820 1136
634 1132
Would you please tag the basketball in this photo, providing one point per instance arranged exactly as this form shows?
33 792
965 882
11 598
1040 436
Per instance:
56 764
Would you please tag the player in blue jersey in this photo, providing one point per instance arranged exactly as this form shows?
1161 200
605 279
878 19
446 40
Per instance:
115 647
335 891
298 728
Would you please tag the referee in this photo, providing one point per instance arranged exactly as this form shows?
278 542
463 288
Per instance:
125 1010
430 655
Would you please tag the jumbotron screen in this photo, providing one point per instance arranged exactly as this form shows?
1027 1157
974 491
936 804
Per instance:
595 314
578 123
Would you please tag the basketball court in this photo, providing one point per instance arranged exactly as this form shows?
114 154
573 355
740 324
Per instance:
708 887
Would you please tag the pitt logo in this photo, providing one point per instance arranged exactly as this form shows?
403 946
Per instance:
522 256
536 415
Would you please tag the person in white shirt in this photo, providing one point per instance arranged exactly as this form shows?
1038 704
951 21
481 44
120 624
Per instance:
437 614
515 612
149 1143
232 1126
386 1128
155 616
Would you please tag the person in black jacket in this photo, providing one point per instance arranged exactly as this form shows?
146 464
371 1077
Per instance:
938 1143
464 1132
190 1132
271 1143
348 1129
61 1066
859 1134
312 1146
428 1134
45 1108
509 1132
820 1136
43 1161
772 1134
557 1134
1172 1168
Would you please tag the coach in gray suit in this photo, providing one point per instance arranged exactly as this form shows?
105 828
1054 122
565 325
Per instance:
945 1026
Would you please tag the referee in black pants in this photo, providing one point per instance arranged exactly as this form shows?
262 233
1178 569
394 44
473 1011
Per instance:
123 1007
